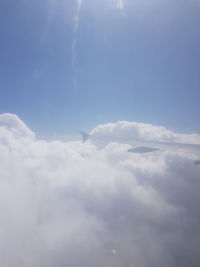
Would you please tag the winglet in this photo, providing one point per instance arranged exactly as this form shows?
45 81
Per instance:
85 136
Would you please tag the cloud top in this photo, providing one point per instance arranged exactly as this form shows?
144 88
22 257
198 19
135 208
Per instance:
68 204
144 131
10 124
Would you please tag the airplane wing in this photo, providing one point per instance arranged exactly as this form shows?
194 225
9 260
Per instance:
144 146
85 136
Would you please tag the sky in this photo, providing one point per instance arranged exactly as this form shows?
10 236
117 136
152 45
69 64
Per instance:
127 69
68 65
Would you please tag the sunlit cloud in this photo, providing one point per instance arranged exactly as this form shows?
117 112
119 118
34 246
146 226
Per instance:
68 204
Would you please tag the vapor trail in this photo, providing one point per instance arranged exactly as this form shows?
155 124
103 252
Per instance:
74 42
120 4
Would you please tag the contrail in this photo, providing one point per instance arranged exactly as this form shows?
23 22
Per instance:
74 42
120 5
51 11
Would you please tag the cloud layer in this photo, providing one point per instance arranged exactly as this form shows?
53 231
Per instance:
69 204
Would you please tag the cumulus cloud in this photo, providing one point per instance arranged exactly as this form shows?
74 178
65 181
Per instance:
69 204
144 131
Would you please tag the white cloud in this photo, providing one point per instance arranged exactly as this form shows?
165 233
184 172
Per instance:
144 131
12 125
68 204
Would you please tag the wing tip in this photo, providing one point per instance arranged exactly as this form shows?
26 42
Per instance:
84 136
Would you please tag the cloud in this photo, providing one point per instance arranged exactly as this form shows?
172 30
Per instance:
68 204
144 131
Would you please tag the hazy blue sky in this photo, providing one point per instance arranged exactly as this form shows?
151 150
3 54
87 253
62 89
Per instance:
137 63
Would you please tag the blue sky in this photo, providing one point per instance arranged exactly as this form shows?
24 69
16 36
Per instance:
140 63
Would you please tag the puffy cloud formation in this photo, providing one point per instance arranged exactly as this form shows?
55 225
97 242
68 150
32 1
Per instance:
69 204
144 131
